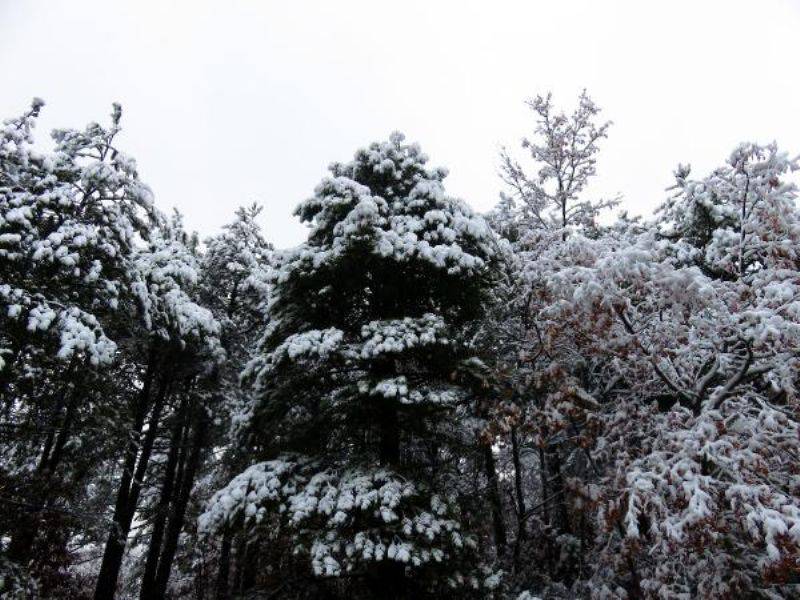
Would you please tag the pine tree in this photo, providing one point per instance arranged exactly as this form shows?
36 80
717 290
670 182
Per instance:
234 286
175 347
353 388
69 223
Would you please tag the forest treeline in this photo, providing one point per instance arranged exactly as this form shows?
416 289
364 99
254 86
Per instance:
545 401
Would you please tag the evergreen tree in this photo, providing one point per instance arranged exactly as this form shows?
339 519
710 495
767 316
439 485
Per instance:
174 346
70 220
354 398
234 285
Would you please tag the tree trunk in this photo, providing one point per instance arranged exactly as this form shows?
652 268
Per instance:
63 435
241 557
59 406
7 372
223 572
521 510
389 434
130 485
41 490
559 515
51 434
500 538
179 506
388 575
545 487
160 519
389 581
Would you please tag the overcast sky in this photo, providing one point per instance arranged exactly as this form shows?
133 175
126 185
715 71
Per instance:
230 102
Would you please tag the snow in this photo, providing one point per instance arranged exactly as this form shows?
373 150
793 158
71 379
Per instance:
361 512
395 336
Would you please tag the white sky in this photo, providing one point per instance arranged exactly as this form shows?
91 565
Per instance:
234 101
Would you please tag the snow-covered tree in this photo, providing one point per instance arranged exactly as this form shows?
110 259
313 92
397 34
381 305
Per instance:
175 346
235 286
564 151
698 495
739 219
541 380
415 402
354 398
69 222
654 358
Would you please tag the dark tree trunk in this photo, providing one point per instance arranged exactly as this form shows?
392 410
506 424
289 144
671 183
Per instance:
556 479
41 489
521 510
634 585
130 485
545 487
179 506
388 577
59 406
51 434
224 569
7 373
63 435
166 498
246 566
500 538
241 557
389 581
389 435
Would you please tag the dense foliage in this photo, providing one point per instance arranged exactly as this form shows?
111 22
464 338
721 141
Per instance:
418 401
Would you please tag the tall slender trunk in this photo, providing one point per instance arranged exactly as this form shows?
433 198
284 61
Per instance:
61 400
563 201
545 487
147 449
51 434
179 506
64 433
224 569
162 510
388 577
241 558
245 565
634 587
7 373
130 483
556 479
743 229
521 510
41 490
500 537
5 383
